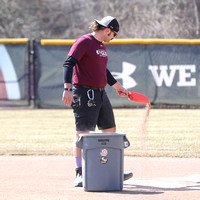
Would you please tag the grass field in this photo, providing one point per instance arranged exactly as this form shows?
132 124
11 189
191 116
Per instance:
170 132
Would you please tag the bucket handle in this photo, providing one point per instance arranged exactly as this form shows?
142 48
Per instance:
79 142
126 142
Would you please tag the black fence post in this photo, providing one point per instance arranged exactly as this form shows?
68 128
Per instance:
32 63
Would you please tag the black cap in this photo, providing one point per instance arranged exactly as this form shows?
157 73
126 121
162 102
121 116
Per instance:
109 22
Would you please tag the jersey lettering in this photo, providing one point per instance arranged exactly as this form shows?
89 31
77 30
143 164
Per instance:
101 52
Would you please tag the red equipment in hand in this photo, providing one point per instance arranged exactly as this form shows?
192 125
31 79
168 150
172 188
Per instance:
137 97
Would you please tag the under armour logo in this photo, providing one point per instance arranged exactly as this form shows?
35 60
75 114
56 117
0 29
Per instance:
127 70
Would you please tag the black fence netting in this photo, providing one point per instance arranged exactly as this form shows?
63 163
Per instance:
168 74
15 74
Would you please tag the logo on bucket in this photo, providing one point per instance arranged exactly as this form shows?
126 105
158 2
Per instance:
104 152
104 160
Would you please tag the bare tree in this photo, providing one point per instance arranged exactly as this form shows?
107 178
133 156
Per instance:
71 18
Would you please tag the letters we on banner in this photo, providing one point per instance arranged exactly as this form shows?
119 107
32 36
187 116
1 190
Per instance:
184 72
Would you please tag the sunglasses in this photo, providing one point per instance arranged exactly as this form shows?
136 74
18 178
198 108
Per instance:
115 33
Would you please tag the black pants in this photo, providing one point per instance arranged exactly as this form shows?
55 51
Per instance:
88 117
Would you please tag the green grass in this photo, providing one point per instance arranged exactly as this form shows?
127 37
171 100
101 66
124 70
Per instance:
170 132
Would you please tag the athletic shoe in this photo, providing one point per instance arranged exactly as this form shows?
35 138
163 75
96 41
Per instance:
78 180
128 175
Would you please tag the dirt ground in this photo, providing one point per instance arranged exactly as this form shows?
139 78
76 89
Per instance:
51 178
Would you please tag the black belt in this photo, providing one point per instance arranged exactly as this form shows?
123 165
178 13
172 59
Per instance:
93 88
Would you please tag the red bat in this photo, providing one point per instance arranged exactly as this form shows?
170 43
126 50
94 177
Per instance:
137 97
